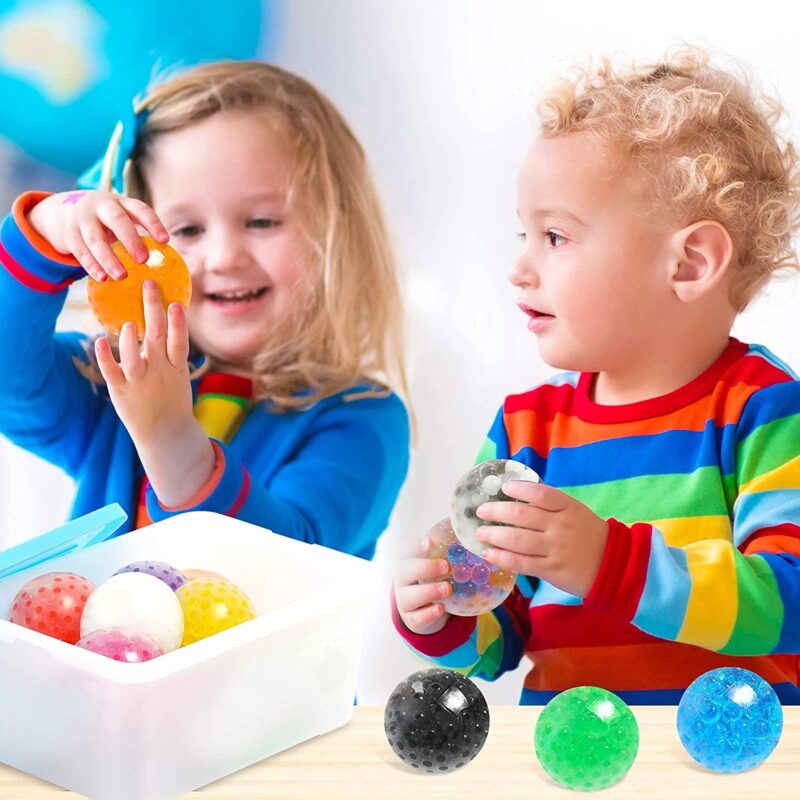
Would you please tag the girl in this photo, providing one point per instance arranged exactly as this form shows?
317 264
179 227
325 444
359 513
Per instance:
269 398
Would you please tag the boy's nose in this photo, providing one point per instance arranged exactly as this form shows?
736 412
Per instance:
523 273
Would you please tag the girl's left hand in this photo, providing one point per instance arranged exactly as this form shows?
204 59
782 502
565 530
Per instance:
150 389
553 536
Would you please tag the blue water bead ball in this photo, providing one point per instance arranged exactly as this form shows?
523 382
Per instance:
729 719
158 569
436 720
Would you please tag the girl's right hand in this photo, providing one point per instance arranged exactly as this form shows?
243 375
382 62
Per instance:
84 224
419 605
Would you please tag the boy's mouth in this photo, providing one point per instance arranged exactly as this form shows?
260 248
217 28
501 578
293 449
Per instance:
534 313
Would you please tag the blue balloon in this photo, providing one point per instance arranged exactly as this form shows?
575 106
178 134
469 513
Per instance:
69 69
729 719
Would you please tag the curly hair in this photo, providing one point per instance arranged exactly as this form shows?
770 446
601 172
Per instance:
709 141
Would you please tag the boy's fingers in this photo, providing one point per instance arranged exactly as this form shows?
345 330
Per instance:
423 617
545 497
517 540
518 515
410 598
411 570
514 562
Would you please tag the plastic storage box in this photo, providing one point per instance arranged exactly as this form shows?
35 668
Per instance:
158 729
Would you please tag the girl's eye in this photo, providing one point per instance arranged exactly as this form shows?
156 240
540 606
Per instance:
555 239
264 223
188 230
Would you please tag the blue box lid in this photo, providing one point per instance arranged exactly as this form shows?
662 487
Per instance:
82 532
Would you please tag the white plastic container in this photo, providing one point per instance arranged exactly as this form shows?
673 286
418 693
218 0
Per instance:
156 730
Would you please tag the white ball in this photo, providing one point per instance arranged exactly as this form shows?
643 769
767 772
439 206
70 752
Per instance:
139 601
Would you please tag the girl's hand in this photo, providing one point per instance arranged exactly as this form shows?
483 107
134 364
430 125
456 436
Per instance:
419 605
152 394
84 224
553 536
150 388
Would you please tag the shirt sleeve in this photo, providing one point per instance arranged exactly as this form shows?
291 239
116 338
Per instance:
738 597
46 405
337 491
491 643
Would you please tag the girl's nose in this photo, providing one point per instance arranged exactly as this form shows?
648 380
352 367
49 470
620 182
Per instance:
523 274
226 252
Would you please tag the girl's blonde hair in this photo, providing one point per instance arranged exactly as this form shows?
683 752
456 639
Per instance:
708 141
348 329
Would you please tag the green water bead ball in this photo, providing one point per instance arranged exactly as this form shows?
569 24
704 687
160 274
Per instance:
586 738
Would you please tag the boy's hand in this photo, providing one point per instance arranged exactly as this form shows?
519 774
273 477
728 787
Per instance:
84 224
419 605
554 537
152 394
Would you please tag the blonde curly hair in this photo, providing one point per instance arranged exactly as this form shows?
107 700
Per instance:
708 140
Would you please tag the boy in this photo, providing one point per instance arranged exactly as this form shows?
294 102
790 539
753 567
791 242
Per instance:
664 540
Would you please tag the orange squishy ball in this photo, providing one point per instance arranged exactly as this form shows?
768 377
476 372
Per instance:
116 302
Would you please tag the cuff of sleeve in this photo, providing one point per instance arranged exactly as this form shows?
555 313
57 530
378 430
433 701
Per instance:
455 632
28 257
225 492
623 570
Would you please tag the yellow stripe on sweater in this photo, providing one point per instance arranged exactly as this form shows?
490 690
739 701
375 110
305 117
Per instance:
714 601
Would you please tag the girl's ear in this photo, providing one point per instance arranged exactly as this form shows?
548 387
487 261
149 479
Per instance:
703 253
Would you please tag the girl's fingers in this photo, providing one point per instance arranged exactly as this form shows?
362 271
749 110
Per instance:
95 238
517 540
130 358
155 321
140 212
177 335
81 251
411 570
109 369
114 217
517 515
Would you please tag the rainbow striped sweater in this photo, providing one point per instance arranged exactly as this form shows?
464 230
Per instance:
701 488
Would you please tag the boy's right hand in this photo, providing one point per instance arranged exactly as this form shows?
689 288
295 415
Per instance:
84 224
419 605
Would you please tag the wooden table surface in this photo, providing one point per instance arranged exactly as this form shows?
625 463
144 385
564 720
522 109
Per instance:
357 762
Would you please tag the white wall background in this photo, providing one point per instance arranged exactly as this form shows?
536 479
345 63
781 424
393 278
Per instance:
442 95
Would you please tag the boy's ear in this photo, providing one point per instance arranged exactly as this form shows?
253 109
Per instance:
703 252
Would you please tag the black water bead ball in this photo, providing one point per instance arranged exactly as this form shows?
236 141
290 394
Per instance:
436 720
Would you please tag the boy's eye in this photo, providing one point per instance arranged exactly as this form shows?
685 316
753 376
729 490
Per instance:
522 236
263 222
188 230
555 239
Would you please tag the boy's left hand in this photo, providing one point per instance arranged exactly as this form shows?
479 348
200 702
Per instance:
553 536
